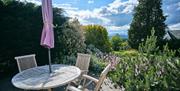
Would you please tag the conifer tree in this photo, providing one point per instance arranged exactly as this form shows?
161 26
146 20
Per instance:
148 14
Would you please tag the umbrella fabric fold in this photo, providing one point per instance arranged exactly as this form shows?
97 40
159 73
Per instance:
47 37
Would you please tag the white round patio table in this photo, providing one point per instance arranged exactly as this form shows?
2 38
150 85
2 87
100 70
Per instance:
39 77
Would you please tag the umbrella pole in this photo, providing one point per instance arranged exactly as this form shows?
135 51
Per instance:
49 55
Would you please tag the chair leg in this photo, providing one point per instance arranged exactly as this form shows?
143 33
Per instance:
49 89
67 86
84 82
79 81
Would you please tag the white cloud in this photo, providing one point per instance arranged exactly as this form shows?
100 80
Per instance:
65 6
113 7
87 14
175 26
173 6
128 9
178 5
90 2
85 22
101 13
98 14
37 2
127 6
122 30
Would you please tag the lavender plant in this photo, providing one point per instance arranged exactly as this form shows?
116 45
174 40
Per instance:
150 70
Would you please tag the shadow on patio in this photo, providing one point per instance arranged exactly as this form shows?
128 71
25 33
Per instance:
7 86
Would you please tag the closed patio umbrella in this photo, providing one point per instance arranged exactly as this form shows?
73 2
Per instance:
47 37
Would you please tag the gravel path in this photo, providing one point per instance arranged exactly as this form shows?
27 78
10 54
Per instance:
108 85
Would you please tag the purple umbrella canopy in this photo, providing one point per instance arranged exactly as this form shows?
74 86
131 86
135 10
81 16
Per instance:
47 37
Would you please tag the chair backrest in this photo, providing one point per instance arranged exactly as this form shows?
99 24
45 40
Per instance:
26 62
83 61
102 77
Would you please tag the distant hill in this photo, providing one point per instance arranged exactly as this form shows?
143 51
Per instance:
121 35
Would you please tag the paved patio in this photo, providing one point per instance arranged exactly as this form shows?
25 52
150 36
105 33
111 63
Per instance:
6 85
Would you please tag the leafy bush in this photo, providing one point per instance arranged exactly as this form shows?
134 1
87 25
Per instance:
149 70
125 53
148 73
96 64
149 46
98 36
116 42
71 40
70 60
92 49
125 45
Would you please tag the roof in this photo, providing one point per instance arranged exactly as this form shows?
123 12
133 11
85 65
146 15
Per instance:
172 34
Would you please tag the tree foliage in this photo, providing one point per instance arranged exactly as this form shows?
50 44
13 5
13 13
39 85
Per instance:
150 45
20 27
116 42
20 33
148 14
150 70
98 36
72 40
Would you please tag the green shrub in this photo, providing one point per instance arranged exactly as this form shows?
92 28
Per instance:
92 49
96 65
97 35
125 45
116 42
150 45
149 70
70 41
125 53
148 73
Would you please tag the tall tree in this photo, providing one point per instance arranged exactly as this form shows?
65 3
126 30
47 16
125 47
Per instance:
98 36
148 14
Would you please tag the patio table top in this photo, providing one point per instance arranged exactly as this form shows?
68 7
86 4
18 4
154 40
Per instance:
39 77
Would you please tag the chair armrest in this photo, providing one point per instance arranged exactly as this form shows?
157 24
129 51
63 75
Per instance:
90 78
84 70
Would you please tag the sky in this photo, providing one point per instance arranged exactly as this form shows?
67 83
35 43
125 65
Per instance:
115 15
